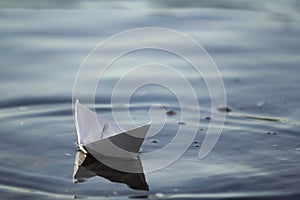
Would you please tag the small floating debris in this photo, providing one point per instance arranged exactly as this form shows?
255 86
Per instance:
224 109
207 118
271 133
171 112
274 145
77 197
262 118
154 141
181 123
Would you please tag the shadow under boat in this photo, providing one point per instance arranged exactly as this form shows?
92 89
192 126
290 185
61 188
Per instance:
87 166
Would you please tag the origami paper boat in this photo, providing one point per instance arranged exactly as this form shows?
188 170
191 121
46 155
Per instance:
86 166
98 136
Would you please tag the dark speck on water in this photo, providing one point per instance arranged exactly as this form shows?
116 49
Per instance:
255 45
271 133
208 118
224 109
171 112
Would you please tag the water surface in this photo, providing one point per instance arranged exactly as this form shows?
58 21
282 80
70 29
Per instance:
256 46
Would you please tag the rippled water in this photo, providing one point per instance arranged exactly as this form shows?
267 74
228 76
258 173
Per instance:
256 46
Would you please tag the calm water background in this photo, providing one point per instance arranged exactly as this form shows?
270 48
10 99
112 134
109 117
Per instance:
255 44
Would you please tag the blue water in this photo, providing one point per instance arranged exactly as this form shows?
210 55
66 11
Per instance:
255 45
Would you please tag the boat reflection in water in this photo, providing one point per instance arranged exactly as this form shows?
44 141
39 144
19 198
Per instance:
86 166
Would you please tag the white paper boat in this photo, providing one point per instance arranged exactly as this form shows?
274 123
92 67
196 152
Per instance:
98 136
